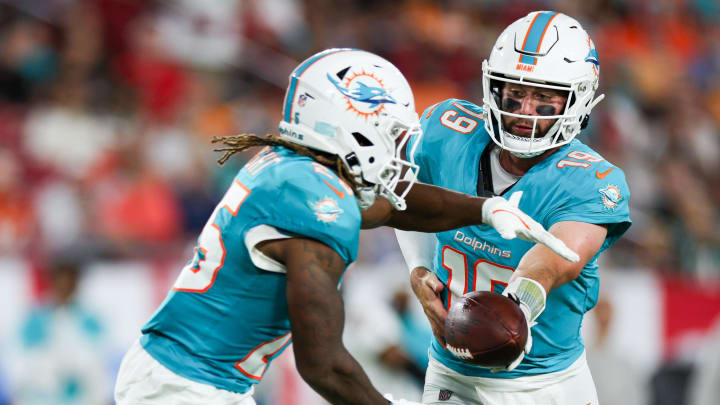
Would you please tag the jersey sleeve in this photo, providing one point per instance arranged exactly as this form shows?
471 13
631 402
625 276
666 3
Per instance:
427 143
452 142
304 206
596 200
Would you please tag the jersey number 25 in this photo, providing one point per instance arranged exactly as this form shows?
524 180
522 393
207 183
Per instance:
199 275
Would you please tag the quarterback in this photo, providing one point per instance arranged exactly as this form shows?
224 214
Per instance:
267 265
539 87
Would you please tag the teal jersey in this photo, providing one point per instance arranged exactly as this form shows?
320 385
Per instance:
572 184
226 317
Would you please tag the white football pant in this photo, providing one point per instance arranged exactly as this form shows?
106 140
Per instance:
143 381
572 386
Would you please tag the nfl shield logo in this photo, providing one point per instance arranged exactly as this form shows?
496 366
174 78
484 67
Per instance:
444 395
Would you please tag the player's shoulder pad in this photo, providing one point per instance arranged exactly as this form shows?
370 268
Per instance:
305 198
325 197
587 188
451 117
463 107
585 169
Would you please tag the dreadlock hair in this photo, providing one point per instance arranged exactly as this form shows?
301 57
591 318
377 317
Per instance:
233 144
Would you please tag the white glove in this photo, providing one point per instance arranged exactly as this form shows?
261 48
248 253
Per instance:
511 222
389 397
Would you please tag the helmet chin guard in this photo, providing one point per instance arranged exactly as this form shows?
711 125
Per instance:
549 50
358 106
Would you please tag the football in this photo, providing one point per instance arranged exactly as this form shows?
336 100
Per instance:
486 329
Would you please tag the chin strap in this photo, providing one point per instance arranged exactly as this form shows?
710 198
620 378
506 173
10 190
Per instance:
527 155
365 197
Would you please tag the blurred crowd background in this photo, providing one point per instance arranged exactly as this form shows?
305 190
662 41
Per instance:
107 176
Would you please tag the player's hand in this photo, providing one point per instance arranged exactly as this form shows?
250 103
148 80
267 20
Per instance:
505 216
427 288
528 344
389 397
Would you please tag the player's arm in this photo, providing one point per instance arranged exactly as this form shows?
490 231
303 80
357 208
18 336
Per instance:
540 270
418 249
317 318
435 209
430 209
542 265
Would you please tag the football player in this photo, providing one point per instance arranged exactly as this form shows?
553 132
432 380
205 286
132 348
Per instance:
267 265
539 87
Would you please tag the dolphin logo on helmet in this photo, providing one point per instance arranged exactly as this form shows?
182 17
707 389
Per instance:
593 58
364 93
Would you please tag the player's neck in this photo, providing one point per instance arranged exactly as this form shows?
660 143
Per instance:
519 166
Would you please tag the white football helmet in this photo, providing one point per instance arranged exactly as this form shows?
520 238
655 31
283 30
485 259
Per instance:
544 49
358 106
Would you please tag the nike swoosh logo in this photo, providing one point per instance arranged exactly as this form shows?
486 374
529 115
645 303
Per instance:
339 193
603 174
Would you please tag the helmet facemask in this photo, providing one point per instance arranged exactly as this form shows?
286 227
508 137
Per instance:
382 177
396 168
568 121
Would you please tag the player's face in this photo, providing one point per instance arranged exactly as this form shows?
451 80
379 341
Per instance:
530 100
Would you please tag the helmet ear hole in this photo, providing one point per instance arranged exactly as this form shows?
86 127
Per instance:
585 122
361 139
352 161
341 74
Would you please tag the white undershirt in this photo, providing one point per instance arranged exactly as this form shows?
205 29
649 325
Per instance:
259 234
501 178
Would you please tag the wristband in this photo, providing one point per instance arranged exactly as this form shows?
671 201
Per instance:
530 293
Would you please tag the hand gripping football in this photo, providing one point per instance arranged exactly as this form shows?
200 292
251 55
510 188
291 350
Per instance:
486 329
